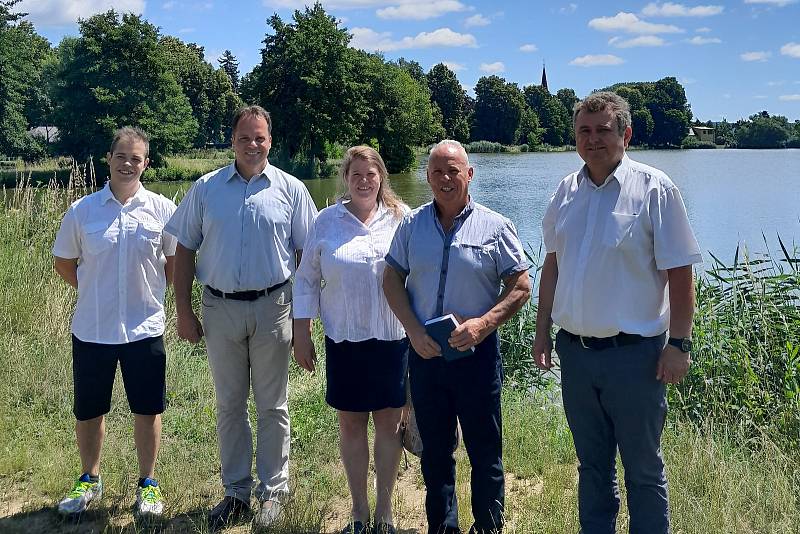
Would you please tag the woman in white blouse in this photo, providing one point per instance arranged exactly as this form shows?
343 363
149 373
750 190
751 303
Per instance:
340 279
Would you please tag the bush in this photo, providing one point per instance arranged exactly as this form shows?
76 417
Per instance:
524 147
485 147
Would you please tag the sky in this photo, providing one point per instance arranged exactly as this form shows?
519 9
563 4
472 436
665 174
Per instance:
734 58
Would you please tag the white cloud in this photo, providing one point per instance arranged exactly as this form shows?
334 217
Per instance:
791 49
760 97
704 29
477 20
755 56
726 95
344 4
493 68
569 9
529 48
369 39
212 56
452 65
687 81
699 41
420 10
63 12
602 60
630 23
669 9
775 84
643 40
187 30
776 3
168 5
790 98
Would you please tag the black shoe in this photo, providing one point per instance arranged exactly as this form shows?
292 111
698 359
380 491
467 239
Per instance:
229 511
355 527
384 528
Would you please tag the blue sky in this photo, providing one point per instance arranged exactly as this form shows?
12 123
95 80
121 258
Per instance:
734 58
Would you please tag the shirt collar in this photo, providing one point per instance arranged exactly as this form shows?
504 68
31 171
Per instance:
620 172
341 209
470 206
106 194
233 172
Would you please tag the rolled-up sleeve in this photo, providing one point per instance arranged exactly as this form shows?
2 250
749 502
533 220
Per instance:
303 214
674 242
186 224
510 253
397 258
308 279
68 241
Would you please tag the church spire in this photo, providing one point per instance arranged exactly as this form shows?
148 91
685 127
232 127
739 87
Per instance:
544 78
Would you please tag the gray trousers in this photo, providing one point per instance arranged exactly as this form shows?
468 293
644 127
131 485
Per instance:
248 343
613 400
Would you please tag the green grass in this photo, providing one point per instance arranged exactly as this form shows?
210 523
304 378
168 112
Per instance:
729 470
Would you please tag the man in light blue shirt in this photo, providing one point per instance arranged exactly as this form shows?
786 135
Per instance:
455 256
246 224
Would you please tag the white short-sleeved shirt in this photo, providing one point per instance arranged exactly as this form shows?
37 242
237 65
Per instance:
121 253
341 275
245 232
614 244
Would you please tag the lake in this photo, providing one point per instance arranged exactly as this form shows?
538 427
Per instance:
731 196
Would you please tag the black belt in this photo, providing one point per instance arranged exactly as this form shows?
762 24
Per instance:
603 343
252 294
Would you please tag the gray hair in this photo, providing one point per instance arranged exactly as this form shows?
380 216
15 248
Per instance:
451 143
605 100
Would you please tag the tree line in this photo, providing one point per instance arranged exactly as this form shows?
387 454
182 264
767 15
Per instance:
321 92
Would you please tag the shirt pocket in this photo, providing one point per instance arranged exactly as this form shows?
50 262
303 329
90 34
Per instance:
100 237
619 229
148 236
476 255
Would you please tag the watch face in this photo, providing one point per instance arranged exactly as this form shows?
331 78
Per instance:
686 345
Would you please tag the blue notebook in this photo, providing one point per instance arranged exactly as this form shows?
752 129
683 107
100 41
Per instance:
440 328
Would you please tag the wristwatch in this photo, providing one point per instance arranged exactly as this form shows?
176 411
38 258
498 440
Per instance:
683 343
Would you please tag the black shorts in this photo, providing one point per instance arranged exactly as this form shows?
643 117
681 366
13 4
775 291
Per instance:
366 376
143 365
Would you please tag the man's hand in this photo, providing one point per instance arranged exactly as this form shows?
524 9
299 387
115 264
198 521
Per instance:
189 327
423 344
542 351
469 333
672 365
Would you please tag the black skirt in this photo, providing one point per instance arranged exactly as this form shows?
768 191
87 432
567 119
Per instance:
365 376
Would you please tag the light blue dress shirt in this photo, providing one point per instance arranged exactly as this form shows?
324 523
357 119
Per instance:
245 232
459 271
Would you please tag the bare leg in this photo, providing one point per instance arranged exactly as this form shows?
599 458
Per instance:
90 435
354 449
147 436
388 449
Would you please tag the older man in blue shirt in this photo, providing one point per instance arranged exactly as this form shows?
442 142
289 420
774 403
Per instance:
455 256
245 223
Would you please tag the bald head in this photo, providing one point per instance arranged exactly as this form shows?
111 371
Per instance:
451 148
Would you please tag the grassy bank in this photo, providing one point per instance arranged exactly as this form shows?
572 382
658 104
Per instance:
730 469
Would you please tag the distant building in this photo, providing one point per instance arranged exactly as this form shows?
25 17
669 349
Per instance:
544 78
702 133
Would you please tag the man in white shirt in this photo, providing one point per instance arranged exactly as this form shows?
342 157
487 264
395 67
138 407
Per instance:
113 249
617 276
246 225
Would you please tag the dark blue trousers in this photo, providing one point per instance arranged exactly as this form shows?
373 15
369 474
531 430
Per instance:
613 400
468 391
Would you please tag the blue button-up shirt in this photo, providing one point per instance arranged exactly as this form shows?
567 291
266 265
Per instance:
459 271
245 232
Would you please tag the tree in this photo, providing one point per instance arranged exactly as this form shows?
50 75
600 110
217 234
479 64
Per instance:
450 97
210 95
554 119
642 125
401 113
568 98
763 131
230 65
115 74
529 132
498 110
413 68
307 80
23 57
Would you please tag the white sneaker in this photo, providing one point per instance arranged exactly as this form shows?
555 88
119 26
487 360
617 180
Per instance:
149 501
268 513
83 493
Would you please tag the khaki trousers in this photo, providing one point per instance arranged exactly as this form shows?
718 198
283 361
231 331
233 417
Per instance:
248 343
